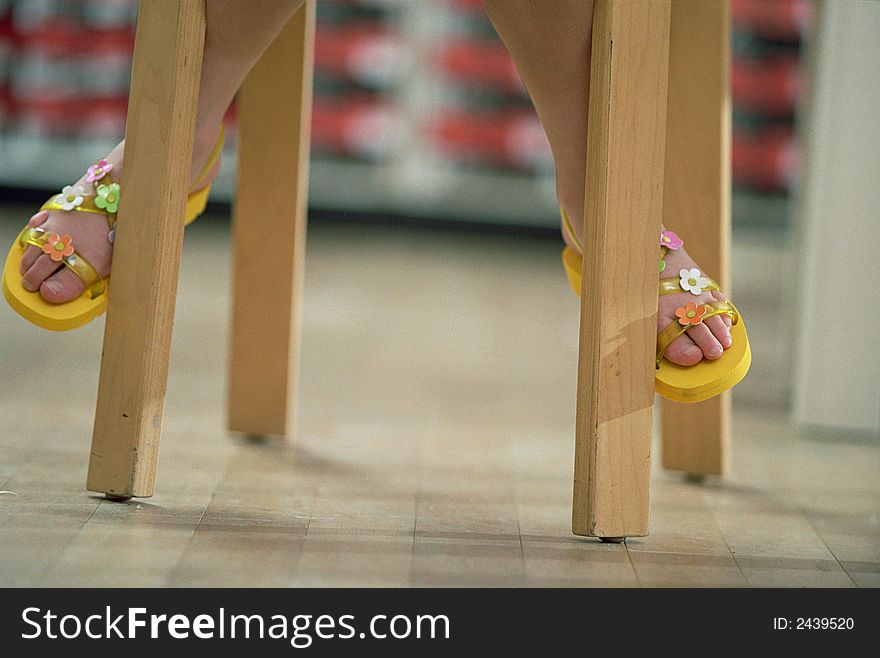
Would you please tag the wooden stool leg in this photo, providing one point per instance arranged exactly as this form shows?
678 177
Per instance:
627 125
137 337
696 201
274 109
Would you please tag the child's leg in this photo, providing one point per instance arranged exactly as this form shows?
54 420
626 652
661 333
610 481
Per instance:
237 34
550 44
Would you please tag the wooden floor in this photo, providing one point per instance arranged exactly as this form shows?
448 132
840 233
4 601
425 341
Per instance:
434 446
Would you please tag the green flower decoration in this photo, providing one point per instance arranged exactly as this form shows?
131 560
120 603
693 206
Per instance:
108 197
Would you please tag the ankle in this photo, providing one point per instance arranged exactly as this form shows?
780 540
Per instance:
205 138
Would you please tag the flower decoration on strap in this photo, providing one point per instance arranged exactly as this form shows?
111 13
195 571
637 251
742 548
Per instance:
58 246
108 197
692 281
690 314
98 170
670 240
71 197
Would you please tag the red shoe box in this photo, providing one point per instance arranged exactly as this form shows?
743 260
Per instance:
56 63
96 118
7 45
767 161
365 53
362 128
512 138
479 63
4 106
773 86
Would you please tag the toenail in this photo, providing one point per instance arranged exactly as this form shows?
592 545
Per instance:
27 285
54 287
715 351
690 350
726 341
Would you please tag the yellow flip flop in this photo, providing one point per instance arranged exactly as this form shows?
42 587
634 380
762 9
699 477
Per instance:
93 301
705 379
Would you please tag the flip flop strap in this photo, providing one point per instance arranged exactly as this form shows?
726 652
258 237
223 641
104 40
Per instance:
673 286
75 262
87 205
674 329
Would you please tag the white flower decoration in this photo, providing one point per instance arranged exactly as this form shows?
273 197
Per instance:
693 281
71 197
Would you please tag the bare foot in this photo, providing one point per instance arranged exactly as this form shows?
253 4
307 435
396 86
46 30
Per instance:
707 340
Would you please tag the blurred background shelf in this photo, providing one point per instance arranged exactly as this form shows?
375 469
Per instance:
418 110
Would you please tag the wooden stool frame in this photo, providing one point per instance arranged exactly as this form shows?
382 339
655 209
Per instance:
648 161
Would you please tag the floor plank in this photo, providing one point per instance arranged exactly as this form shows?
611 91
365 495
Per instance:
682 570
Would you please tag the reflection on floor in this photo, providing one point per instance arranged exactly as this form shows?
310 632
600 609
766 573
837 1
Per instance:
434 443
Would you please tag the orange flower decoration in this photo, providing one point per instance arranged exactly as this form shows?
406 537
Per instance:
691 314
58 246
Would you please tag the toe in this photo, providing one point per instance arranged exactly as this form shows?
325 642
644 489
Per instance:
684 352
707 342
38 219
42 268
28 259
720 330
62 286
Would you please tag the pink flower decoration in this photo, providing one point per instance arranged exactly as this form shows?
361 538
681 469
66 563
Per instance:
670 240
98 170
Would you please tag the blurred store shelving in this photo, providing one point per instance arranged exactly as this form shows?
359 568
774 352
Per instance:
768 80
418 109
